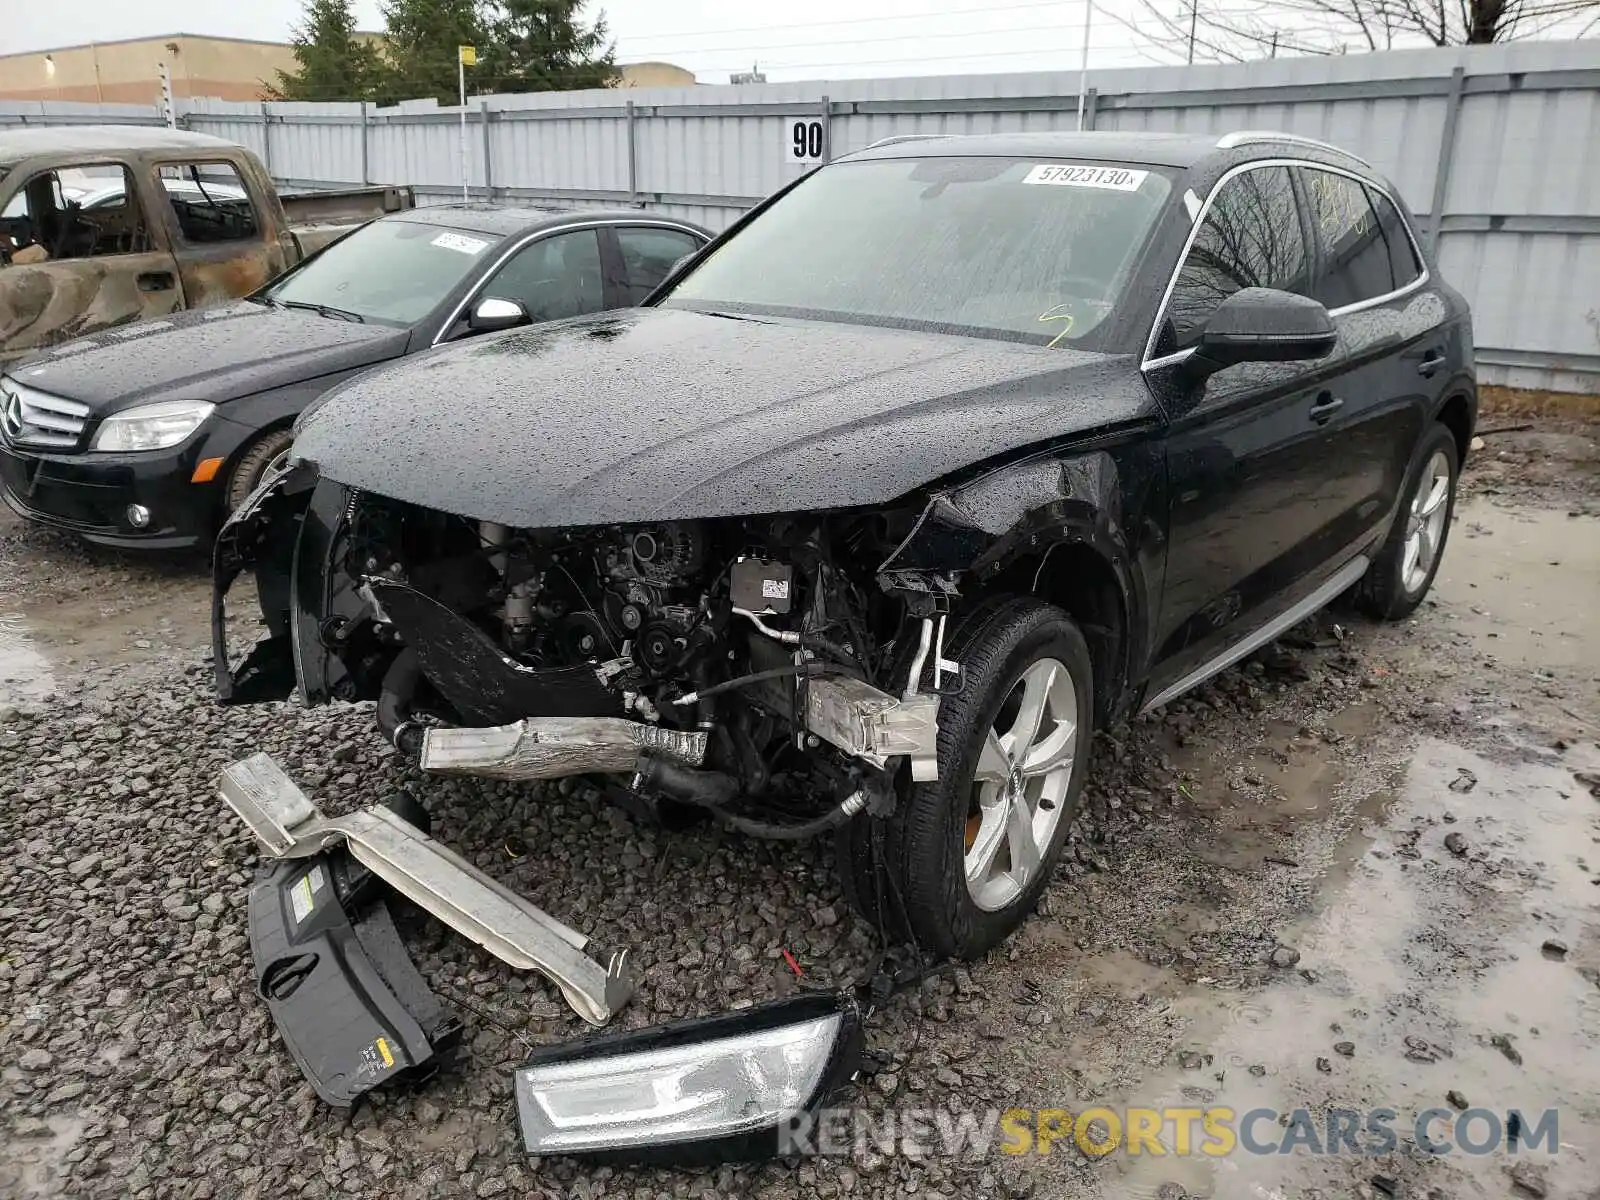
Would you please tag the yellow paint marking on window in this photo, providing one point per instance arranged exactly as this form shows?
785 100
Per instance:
1055 314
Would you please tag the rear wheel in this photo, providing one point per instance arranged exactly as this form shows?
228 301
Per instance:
259 457
1403 572
963 861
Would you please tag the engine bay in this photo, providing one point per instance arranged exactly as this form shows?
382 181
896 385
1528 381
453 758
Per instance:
755 667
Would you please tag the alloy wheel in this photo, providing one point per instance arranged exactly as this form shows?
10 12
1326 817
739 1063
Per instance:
1023 774
1425 522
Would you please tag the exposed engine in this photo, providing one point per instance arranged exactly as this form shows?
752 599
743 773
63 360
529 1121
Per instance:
751 664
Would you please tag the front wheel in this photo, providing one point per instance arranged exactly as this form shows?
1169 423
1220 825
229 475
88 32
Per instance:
1403 572
260 457
964 860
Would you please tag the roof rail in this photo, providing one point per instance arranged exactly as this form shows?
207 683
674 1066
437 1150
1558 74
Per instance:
908 137
1247 137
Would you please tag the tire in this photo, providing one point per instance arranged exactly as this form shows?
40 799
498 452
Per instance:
1395 583
1012 651
253 463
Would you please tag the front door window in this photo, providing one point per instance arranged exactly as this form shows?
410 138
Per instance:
556 276
73 212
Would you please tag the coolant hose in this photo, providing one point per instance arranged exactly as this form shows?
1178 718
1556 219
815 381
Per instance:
692 785
829 820
714 790
394 704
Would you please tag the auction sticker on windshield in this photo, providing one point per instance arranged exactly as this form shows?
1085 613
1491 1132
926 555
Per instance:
460 242
1117 179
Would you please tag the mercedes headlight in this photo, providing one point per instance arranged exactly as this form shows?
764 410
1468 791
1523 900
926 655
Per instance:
715 1088
151 426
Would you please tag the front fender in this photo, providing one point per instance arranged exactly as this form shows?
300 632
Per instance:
980 527
1017 518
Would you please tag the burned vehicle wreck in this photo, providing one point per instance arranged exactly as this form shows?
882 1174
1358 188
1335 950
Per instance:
941 459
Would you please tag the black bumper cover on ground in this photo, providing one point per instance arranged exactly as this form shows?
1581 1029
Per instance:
350 1006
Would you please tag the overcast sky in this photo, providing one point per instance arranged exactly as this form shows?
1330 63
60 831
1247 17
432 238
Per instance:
817 40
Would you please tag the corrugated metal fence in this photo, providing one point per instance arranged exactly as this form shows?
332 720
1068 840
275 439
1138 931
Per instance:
1496 148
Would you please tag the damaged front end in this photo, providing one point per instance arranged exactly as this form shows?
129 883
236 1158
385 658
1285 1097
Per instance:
752 663
778 674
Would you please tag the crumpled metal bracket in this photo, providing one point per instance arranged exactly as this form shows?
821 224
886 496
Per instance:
288 825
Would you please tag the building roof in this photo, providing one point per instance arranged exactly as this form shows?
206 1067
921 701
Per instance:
154 37
17 144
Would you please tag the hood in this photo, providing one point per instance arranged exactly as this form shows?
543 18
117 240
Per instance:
215 354
667 414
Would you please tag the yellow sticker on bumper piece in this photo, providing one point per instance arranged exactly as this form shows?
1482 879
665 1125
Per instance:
300 898
383 1049
302 895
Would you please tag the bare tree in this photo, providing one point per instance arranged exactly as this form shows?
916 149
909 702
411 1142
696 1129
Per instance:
1239 30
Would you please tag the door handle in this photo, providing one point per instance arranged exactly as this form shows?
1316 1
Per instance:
1431 362
156 281
1327 404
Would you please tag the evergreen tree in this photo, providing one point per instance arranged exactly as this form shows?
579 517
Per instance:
422 45
543 46
334 63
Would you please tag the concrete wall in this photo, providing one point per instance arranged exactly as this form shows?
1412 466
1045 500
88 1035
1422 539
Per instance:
128 72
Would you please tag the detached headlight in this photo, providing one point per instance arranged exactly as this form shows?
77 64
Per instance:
724 1083
151 426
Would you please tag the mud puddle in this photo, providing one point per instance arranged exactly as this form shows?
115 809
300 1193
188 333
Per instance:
40 1150
1522 582
1421 988
25 674
71 613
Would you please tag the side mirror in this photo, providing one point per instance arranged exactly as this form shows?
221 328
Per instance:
495 312
1263 325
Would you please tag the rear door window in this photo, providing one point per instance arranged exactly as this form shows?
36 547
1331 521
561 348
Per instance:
648 255
1251 237
210 202
1353 253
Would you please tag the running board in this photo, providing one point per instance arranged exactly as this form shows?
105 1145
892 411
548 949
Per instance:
287 825
1282 623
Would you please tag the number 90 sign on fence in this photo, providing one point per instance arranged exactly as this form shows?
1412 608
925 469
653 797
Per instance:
805 140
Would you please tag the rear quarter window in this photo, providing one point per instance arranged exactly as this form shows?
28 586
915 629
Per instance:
1402 248
1354 255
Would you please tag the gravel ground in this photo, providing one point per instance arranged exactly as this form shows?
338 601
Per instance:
1264 855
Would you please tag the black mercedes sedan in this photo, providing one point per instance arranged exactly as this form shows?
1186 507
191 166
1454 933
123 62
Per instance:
149 434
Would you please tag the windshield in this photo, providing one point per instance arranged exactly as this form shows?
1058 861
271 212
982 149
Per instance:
1011 248
393 272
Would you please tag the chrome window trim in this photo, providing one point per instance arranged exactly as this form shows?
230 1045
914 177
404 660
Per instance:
550 231
1167 360
1199 221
